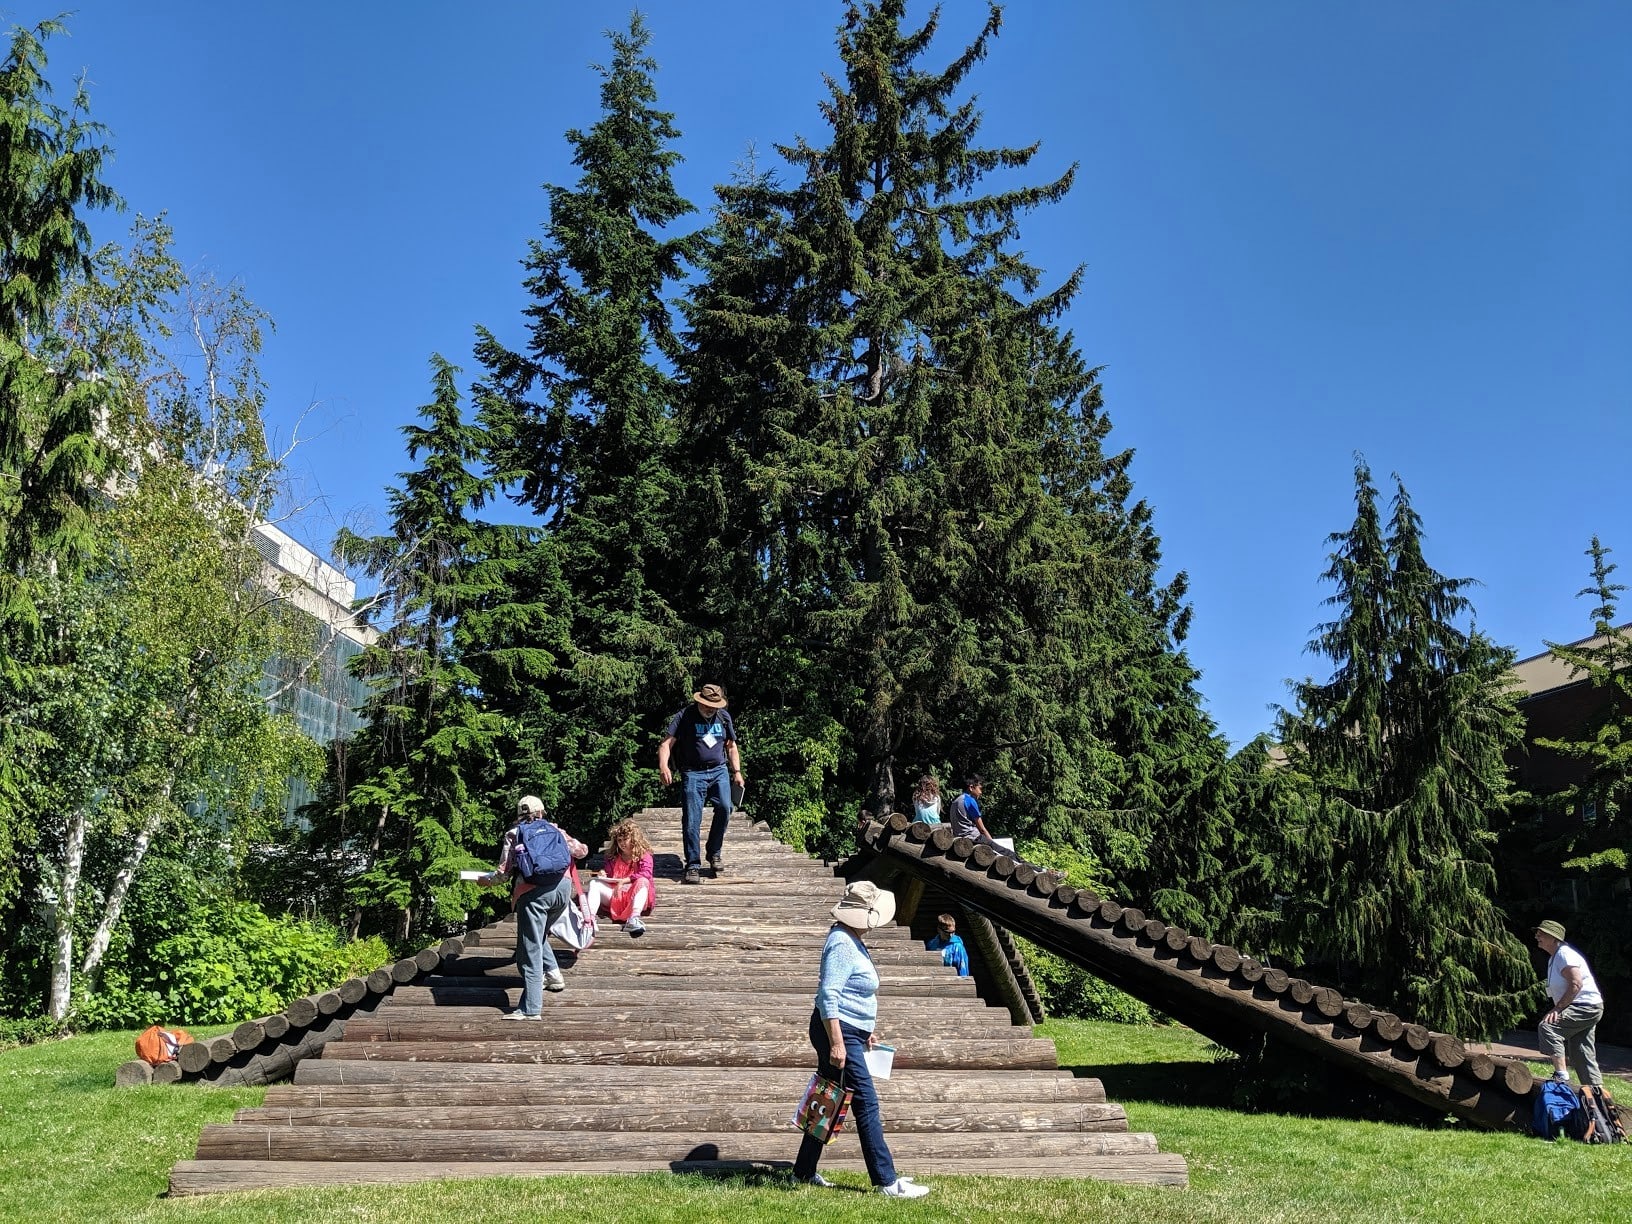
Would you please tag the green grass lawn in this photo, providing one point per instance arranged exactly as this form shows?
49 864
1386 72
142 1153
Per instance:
73 1148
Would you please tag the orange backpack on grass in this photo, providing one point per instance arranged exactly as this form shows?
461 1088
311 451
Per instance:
160 1045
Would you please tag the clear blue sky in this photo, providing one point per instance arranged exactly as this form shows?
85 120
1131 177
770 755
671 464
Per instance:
1310 229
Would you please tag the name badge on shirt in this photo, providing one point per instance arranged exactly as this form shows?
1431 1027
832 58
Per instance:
710 740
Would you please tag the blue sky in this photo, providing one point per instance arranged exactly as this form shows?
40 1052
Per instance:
1309 230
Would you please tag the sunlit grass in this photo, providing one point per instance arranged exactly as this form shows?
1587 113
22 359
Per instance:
73 1148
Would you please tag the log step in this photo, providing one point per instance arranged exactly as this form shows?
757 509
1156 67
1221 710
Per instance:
727 1083
439 1091
324 1143
593 1112
191 1177
682 1026
1032 1052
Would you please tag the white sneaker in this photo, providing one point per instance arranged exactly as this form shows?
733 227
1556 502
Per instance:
520 1015
815 1179
554 982
903 1187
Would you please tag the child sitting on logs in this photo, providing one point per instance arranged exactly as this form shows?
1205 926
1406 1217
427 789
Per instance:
625 883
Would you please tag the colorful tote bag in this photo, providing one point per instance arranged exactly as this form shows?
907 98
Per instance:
822 1112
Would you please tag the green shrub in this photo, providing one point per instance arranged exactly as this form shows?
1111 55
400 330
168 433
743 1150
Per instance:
231 962
1069 991
27 1030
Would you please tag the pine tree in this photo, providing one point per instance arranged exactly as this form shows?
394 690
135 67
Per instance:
418 794
582 429
1594 850
1404 745
919 553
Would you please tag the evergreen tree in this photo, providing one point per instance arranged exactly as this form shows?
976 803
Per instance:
50 175
1404 746
417 795
1594 849
582 431
918 552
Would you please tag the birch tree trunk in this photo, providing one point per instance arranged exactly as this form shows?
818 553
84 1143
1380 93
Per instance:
62 956
121 889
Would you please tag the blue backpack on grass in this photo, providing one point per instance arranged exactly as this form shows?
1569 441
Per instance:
541 852
1557 1111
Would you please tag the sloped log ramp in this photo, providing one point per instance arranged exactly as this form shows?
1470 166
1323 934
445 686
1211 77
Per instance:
1212 988
683 1050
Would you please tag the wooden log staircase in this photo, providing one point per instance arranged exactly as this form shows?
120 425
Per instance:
684 1050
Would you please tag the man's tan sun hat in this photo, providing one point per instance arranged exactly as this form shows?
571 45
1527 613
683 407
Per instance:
865 906
1555 929
710 696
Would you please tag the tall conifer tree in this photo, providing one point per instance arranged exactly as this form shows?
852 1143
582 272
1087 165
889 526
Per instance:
1404 745
581 418
416 798
932 560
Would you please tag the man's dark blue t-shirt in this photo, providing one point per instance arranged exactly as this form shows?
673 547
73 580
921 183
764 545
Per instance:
701 736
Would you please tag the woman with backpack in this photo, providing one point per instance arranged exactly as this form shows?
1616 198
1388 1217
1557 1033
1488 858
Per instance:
537 854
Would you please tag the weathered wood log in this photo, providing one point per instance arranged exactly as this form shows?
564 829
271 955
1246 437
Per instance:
714 1117
1156 931
942 838
167 1073
940 1052
451 947
275 1026
1389 1026
279 1061
249 1034
1358 1016
405 971
1518 1078
1300 991
328 1003
1002 867
1025 874
301 1013
578 1026
192 1177
1198 949
192 1058
318 1143
1481 1066
959 1084
1065 894
1448 1051
1328 1002
380 982
992 965
1232 1009
352 991
427 959
130 1074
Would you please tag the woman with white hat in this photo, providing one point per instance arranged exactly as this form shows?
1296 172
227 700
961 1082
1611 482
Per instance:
841 1030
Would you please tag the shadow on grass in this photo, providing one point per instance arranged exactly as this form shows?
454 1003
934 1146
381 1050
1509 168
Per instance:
1299 1087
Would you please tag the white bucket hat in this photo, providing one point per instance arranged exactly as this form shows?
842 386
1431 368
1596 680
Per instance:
864 906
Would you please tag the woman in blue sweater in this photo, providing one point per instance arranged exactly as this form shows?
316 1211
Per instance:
841 1030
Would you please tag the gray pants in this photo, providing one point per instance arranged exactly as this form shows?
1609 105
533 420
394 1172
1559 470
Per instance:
1575 1036
536 911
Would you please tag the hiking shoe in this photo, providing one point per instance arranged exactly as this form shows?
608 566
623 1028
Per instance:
520 1015
717 865
1562 1075
634 928
554 982
694 875
903 1187
815 1179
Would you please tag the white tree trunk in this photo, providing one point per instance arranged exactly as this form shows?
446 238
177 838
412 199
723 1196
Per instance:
120 890
62 956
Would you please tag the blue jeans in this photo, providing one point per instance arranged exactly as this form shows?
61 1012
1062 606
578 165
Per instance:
536 911
864 1114
698 787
